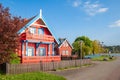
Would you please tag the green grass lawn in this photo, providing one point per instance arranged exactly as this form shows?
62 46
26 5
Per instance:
103 58
32 76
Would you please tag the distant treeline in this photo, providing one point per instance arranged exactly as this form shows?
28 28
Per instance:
113 49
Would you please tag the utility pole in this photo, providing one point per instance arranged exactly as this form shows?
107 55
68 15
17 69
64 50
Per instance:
81 49
81 52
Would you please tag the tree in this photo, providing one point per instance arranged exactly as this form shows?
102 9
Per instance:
8 34
96 46
86 45
85 39
76 46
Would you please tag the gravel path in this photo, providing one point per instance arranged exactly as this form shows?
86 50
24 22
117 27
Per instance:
98 71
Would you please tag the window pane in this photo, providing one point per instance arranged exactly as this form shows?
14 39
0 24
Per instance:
30 52
66 52
40 31
42 52
63 52
33 30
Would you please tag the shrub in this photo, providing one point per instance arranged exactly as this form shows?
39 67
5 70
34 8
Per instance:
14 59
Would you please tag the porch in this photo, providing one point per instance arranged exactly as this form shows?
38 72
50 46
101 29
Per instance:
37 59
34 51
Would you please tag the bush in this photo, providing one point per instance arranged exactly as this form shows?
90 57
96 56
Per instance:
105 59
14 59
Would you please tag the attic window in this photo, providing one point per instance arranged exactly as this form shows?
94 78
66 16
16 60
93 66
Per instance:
33 30
40 31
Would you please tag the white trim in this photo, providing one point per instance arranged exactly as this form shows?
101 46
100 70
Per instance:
33 21
64 42
40 13
35 24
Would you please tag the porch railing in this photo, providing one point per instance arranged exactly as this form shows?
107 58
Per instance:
40 37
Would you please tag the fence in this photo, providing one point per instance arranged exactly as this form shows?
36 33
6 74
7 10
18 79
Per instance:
48 66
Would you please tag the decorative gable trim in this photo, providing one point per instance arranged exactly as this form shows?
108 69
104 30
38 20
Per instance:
64 42
28 24
34 20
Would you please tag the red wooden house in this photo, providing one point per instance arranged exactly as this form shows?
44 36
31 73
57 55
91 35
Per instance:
64 48
37 42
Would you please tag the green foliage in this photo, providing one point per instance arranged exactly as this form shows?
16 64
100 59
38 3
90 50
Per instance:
96 46
86 50
76 45
86 45
32 76
9 25
85 39
14 59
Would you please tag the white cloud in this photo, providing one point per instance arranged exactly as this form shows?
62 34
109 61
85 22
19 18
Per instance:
115 24
102 10
93 8
90 8
76 3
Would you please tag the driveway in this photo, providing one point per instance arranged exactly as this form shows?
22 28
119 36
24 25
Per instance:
98 71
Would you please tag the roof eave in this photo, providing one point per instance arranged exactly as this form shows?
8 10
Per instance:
28 24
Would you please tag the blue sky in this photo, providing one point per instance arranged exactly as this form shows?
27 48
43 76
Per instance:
97 19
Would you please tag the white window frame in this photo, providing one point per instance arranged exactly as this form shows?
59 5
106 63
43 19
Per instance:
67 52
33 30
31 53
43 53
40 31
63 52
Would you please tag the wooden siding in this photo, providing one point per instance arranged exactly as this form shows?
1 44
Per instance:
37 59
61 49
65 48
30 39
46 36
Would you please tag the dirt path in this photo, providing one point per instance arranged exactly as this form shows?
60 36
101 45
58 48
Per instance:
99 71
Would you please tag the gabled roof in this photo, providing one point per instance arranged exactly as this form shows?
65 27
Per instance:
62 40
31 21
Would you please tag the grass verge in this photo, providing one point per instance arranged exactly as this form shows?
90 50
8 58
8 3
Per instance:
32 76
104 58
75 67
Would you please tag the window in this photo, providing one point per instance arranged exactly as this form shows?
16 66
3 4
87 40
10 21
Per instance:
30 52
66 52
63 52
33 30
40 31
42 52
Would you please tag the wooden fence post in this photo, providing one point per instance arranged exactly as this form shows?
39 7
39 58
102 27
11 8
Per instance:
53 66
7 68
75 63
41 66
